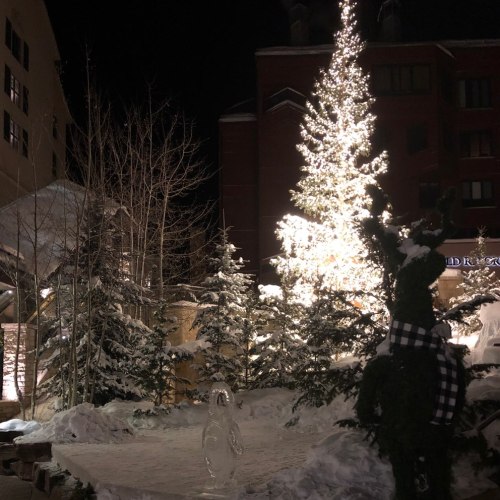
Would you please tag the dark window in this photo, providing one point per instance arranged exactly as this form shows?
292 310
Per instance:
16 46
429 193
26 100
14 42
477 194
401 79
8 34
474 93
26 57
25 143
475 144
416 138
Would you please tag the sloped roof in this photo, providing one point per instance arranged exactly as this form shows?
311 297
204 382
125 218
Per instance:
48 216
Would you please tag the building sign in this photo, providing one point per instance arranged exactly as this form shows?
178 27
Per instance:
455 261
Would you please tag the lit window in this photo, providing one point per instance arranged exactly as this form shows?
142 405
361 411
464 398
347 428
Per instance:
474 93
15 90
475 144
18 94
12 134
477 194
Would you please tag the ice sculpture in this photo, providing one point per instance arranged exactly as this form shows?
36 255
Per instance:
221 437
487 348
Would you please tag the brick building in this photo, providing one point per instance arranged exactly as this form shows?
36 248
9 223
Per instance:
438 116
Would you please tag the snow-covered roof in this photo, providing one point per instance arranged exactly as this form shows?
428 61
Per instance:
328 48
50 215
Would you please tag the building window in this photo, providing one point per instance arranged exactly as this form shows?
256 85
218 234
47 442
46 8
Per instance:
16 46
17 93
26 100
401 79
475 144
8 34
416 138
11 131
474 93
428 194
26 57
15 90
14 43
25 148
477 194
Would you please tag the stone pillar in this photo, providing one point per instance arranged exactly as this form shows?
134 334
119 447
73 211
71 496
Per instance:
185 312
25 361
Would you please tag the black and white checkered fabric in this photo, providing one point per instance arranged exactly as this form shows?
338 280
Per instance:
412 336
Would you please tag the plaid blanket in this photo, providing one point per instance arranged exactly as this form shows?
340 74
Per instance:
412 336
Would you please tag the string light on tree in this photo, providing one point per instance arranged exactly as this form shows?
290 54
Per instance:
338 165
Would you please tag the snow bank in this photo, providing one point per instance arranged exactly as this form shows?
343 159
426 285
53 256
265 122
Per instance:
486 388
81 424
341 467
26 427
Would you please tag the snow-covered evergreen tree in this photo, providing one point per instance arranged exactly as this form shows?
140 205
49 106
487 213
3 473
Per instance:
333 326
156 358
338 165
279 349
477 281
92 350
220 320
253 323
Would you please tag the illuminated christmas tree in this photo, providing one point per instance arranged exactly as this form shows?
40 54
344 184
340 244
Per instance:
324 244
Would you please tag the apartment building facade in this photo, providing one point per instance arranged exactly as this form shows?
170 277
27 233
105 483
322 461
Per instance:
34 111
438 115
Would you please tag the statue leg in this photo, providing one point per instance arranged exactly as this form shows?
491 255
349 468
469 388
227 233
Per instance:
403 468
439 473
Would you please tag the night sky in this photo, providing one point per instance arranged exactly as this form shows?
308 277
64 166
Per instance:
200 53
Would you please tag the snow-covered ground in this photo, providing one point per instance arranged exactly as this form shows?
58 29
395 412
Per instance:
160 457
